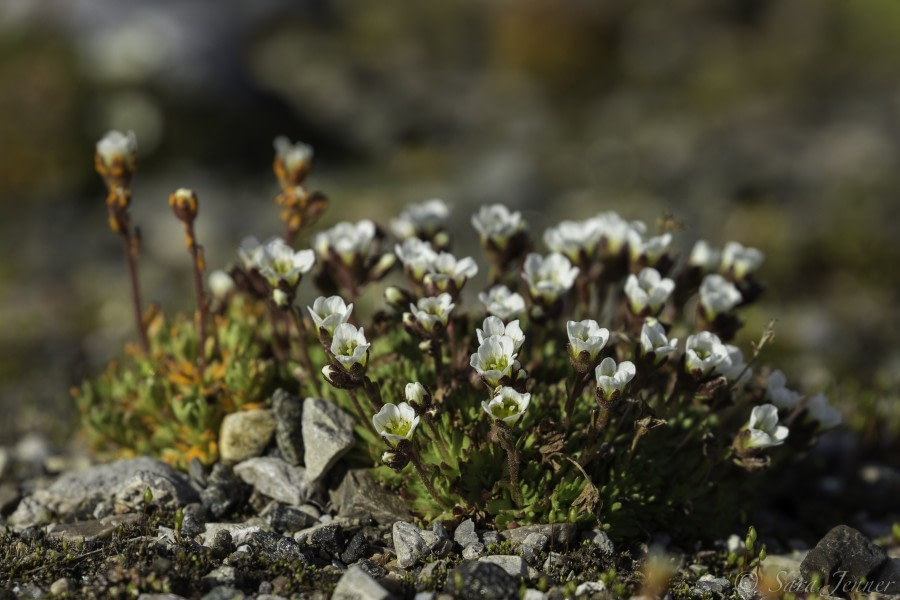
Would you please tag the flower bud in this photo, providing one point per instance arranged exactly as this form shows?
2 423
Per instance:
184 204
395 459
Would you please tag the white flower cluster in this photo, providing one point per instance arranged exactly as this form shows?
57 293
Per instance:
422 220
735 260
438 271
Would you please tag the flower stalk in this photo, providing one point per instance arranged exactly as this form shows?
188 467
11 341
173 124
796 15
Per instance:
503 433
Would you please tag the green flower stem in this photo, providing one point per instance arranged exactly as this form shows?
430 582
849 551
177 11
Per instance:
305 360
416 461
437 354
373 394
504 434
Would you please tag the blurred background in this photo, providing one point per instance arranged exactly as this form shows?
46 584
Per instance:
774 123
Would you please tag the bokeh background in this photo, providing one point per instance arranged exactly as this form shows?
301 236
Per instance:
775 123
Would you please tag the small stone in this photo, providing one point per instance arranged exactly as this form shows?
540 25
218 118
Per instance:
481 581
372 570
599 539
9 497
473 551
61 586
276 479
490 537
222 544
356 549
360 497
224 592
707 585
559 534
224 575
512 564
275 546
194 520
226 492
356 584
288 519
123 482
465 533
844 553
532 594
555 561
245 434
197 472
160 597
536 541
327 436
240 533
887 580
288 411
328 539
408 544
91 530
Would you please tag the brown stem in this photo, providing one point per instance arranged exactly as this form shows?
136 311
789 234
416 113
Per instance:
438 363
504 434
130 257
361 413
202 307
305 360
373 394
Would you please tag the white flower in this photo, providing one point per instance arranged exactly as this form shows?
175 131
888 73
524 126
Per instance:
423 219
250 252
733 367
348 240
507 406
432 310
653 340
279 262
445 268
116 145
494 326
704 352
704 256
501 302
349 346
220 283
586 336
615 231
648 289
416 256
613 378
819 410
652 248
779 394
415 392
395 422
764 428
573 238
495 359
294 157
740 260
718 295
328 313
549 277
497 224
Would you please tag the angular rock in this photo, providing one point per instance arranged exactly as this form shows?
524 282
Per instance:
276 479
408 544
356 548
536 541
224 575
327 436
328 539
473 551
490 537
512 564
465 533
9 497
356 584
288 411
287 519
533 594
123 482
274 546
709 586
481 581
600 540
226 492
588 588
91 530
224 592
360 497
559 534
887 580
844 553
240 533
245 434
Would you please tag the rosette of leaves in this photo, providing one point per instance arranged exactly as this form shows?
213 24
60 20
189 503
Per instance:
161 404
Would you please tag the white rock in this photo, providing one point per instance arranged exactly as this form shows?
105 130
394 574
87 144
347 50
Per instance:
356 584
276 479
408 544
